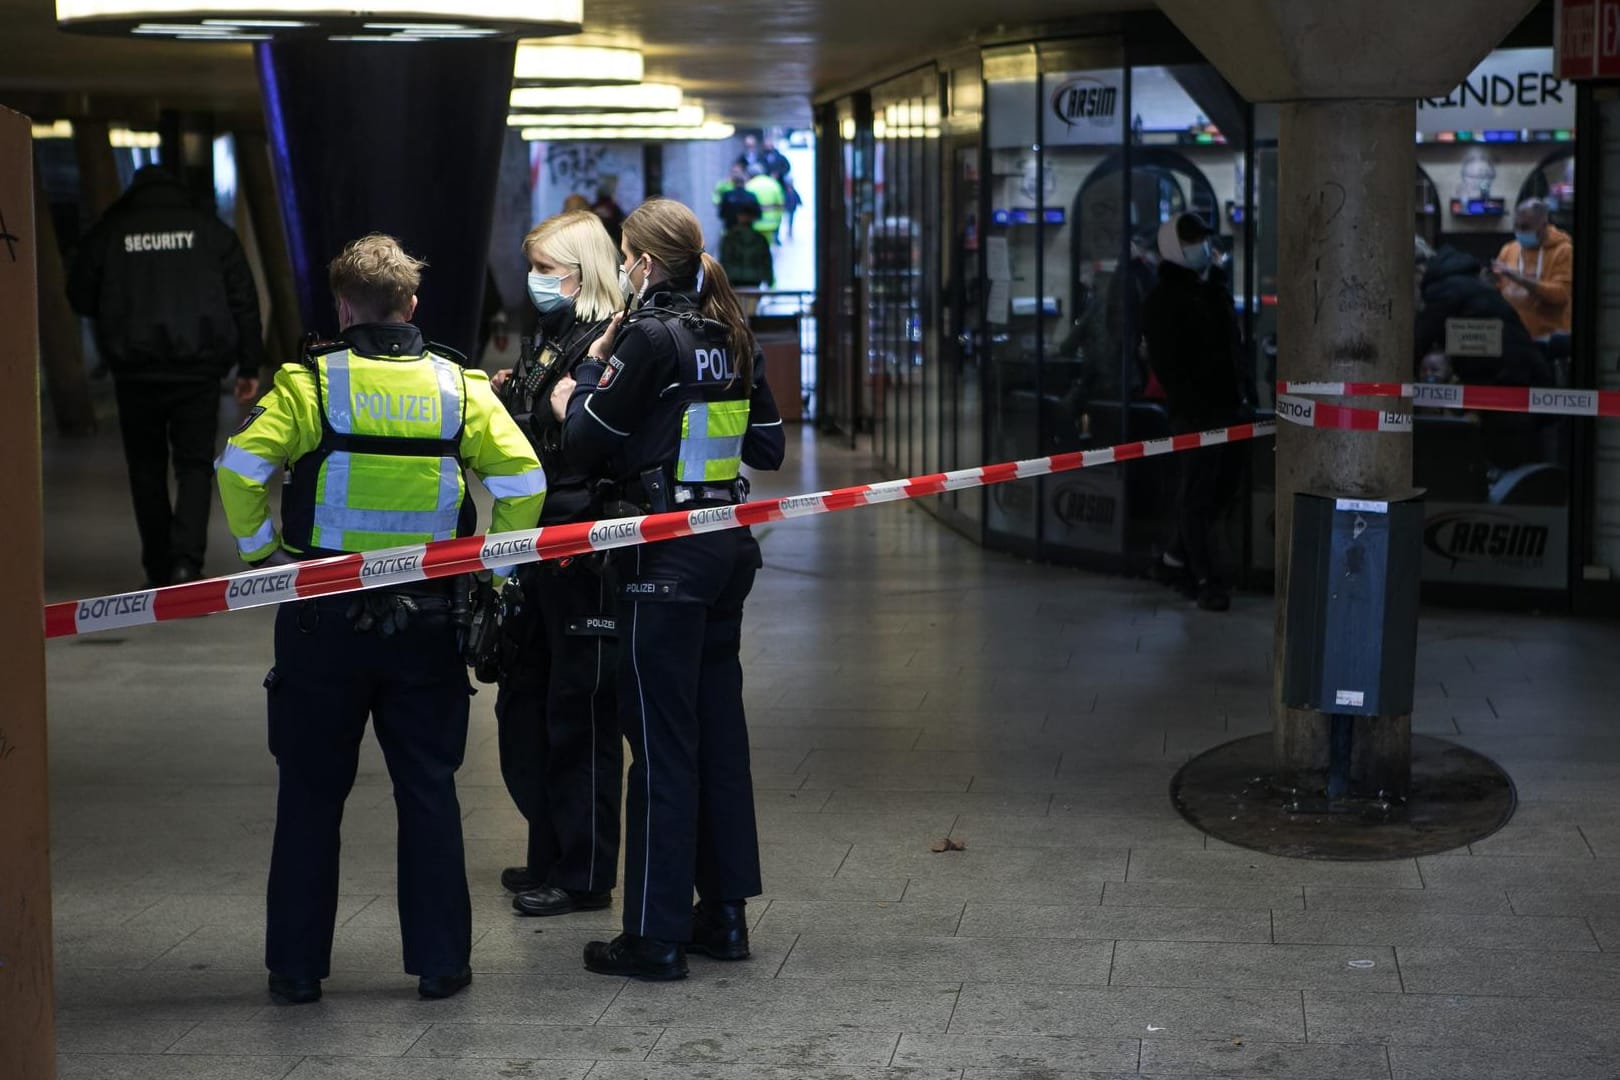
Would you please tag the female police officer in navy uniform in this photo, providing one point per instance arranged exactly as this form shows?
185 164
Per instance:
561 753
673 407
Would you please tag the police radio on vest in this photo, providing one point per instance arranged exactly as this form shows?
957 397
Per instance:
713 364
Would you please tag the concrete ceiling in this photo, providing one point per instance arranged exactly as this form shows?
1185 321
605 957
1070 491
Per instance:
751 61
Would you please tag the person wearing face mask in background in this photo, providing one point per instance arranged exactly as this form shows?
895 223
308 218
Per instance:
1192 345
1535 271
561 754
674 404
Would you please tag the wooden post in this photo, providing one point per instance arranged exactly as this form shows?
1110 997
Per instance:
27 993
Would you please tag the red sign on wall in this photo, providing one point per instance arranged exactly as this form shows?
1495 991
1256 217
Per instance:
1588 37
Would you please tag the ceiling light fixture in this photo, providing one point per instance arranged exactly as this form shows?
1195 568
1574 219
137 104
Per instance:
642 97
685 116
542 63
709 131
438 19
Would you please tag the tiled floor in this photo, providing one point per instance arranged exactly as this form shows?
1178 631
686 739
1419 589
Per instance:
903 686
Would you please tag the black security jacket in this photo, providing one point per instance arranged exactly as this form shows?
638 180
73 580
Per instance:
168 288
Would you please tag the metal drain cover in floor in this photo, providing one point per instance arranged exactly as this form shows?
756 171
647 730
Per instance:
1235 794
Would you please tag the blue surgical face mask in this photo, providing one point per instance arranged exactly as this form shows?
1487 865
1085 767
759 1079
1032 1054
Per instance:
545 292
1528 239
1196 256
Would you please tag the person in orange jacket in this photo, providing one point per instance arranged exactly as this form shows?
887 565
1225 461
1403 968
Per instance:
1536 271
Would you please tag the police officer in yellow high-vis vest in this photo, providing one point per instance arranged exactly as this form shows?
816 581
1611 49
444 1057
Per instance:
377 430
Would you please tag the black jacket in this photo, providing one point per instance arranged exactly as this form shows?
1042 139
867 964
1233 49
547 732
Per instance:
1453 289
1192 342
169 288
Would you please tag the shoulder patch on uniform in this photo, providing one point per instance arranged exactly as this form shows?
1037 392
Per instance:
252 415
610 371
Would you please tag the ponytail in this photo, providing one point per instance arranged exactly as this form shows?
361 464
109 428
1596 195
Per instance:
720 304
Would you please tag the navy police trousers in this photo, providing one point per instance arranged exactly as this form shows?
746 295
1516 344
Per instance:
413 685
561 753
689 813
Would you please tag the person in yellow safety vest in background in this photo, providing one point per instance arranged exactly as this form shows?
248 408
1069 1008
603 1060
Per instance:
377 429
772 201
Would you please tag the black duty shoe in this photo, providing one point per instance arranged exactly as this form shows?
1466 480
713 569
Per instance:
636 957
287 991
517 879
550 900
720 930
183 573
1212 596
435 987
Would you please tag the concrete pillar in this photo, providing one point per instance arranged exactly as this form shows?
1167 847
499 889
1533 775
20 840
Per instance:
372 152
27 993
1344 313
1345 189
98 170
258 190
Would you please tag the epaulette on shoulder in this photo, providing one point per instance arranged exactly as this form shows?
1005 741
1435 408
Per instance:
314 347
448 353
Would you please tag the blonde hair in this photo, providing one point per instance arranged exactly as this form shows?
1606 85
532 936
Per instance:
670 233
578 239
375 277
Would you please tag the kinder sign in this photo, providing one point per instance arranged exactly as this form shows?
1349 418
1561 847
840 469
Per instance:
1511 89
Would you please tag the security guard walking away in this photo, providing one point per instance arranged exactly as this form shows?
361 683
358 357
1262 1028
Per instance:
562 756
175 308
672 415
376 429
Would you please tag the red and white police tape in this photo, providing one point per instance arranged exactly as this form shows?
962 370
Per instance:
1293 406
502 551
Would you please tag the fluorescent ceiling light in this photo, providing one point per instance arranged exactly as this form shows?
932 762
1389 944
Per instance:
711 130
642 97
685 116
540 63
121 137
258 24
453 18
126 139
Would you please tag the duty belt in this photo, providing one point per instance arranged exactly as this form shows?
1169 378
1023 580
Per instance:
640 493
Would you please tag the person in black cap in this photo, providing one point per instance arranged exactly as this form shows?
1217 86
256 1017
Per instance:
1192 343
175 309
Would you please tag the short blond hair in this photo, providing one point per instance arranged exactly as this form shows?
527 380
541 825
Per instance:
375 277
579 240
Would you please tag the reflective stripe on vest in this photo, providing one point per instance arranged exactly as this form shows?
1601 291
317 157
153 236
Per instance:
364 499
711 441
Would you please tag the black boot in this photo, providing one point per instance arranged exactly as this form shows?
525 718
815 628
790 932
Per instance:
720 929
637 957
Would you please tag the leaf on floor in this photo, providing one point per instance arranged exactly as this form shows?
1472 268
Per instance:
947 844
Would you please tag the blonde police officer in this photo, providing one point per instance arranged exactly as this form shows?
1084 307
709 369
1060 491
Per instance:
377 430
